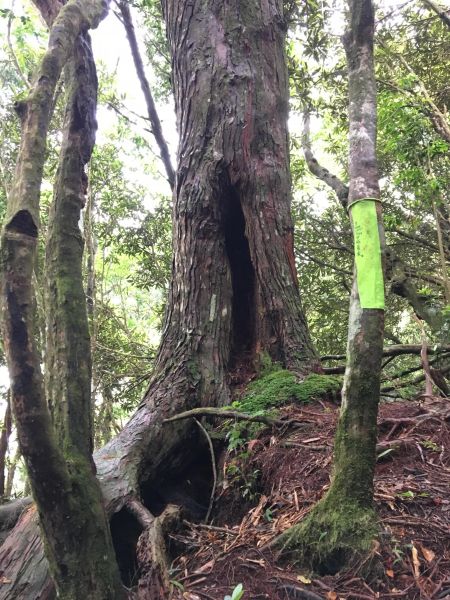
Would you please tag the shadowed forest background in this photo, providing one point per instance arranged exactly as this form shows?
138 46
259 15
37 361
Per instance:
181 291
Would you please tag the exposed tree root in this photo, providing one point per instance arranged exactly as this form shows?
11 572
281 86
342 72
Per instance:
152 554
10 513
224 414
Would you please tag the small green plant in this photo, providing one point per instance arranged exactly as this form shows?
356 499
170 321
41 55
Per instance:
236 594
177 584
398 552
244 478
268 515
430 445
241 433
407 495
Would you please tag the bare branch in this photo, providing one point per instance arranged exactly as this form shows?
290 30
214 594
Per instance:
318 170
224 414
397 350
13 54
151 107
214 469
443 14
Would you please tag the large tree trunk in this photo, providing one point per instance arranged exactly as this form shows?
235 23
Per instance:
234 291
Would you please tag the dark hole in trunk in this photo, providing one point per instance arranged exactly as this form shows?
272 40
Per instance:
189 489
243 281
125 532
334 563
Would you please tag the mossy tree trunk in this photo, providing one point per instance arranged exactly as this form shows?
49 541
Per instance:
343 524
357 428
58 455
234 292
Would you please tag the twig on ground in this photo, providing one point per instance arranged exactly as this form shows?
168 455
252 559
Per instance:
214 469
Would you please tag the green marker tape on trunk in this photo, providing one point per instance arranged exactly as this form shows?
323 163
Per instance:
369 270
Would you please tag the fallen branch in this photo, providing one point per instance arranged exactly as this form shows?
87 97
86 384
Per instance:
397 350
416 380
211 528
338 370
225 414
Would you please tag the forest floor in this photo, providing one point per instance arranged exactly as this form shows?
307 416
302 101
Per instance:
278 478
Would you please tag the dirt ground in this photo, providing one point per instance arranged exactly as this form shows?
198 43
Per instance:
286 472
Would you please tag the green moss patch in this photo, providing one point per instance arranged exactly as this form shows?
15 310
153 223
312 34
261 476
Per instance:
278 387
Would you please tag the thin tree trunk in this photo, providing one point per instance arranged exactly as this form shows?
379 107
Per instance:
4 440
343 522
151 107
398 273
66 493
357 428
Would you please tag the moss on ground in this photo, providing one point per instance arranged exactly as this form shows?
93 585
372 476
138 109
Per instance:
332 536
277 387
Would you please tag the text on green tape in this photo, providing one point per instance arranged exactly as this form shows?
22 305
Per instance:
369 270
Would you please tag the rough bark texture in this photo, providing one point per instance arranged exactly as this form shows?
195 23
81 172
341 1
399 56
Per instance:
343 522
64 487
234 291
233 183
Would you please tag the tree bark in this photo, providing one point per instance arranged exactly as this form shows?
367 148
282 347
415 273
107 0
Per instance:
60 471
342 523
354 458
4 441
234 291
233 183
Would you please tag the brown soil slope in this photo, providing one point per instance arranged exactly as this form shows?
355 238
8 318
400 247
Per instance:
285 473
